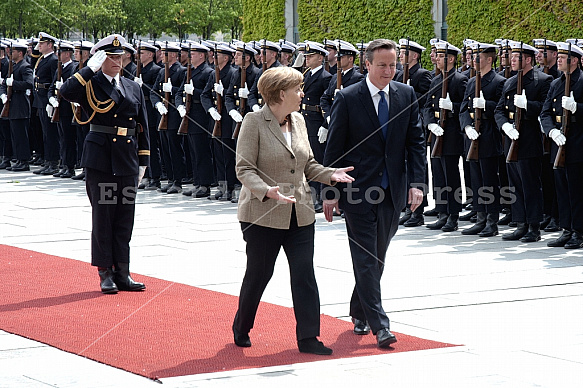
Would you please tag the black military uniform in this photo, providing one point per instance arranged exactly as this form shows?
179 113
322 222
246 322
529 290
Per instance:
524 175
116 151
19 115
349 77
5 140
254 96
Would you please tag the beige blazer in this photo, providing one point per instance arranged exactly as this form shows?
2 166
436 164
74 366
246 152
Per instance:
264 159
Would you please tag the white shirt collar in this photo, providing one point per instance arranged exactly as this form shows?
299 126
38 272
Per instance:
314 71
67 63
374 91
109 78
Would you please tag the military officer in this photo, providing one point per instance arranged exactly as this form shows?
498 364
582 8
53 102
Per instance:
332 60
5 140
116 155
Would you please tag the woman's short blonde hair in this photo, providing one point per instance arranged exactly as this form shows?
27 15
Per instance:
276 79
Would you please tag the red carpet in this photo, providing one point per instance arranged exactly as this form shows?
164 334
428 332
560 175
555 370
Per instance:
168 330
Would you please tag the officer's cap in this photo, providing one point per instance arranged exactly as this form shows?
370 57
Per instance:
171 47
433 41
444 47
255 45
311 48
330 44
244 47
16 45
577 42
129 48
468 42
478 47
269 45
563 48
44 37
362 46
517 47
414 46
83 45
147 46
112 44
504 43
210 44
223 48
64 45
291 44
541 44
195 46
345 48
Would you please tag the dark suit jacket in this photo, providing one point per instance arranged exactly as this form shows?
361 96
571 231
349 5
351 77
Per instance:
113 154
208 99
20 101
44 74
355 139
177 74
327 99
65 109
200 119
490 140
314 87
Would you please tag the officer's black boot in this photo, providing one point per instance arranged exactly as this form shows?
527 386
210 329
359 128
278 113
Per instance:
478 227
491 228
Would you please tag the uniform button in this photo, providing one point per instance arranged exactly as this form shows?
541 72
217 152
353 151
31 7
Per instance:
507 97
506 106
553 109
114 140
293 171
131 118
380 173
129 141
115 115
291 186
432 96
555 100
308 98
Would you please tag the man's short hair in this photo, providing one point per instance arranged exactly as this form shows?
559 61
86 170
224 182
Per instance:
378 44
276 79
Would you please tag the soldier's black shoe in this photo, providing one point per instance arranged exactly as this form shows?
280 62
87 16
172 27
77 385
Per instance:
406 216
202 192
506 219
469 215
187 181
241 340
452 223
217 195
51 169
491 228
533 234
478 227
69 173
318 208
166 187
360 327
513 224
106 280
545 222
5 163
59 173
440 223
153 185
313 346
124 281
41 170
385 338
562 240
431 213
415 220
143 183
227 196
575 242
39 162
518 233
79 176
21 166
552 226
468 204
175 189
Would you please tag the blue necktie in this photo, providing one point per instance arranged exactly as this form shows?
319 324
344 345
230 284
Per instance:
384 121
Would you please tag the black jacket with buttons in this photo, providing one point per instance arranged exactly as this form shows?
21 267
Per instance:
314 87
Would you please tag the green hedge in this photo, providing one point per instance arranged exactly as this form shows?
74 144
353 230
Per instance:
263 20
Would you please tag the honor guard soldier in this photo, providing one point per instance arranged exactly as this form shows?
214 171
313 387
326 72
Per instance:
441 114
569 176
15 90
546 57
169 79
420 80
199 139
255 45
468 68
129 66
115 157
44 71
346 54
147 80
505 55
433 58
210 58
524 171
5 139
331 62
223 142
269 53
485 184
286 53
64 117
316 81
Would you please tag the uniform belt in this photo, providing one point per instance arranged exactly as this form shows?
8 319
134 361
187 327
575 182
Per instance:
40 85
120 131
449 114
558 119
312 108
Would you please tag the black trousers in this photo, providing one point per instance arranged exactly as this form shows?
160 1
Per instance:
224 153
19 134
36 134
82 131
113 207
5 139
263 246
50 136
67 142
575 181
173 155
548 185
485 185
563 198
202 158
453 183
369 236
439 185
524 176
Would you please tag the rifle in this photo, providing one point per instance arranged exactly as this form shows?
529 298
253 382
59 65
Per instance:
242 101
56 112
264 57
566 119
163 126
338 69
513 151
361 57
406 67
438 146
6 108
507 58
474 147
217 130
183 129
546 139
326 63
139 61
472 67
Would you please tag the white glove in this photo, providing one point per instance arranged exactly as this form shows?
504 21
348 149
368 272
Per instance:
9 81
4 98
256 108
409 82
161 108
53 101
235 115
322 134
445 103
337 90
520 100
480 102
215 114
189 88
167 87
141 172
435 129
328 119
244 92
1 80
58 84
299 62
139 80
95 62
471 132
49 108
181 110
219 88
569 103
557 137
76 105
510 131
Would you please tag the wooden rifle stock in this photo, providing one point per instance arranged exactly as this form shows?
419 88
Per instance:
513 151
338 69
326 62
473 152
56 112
6 109
406 67
183 129
507 63
566 118
163 126
264 57
242 101
217 129
139 61
360 58
438 146
546 139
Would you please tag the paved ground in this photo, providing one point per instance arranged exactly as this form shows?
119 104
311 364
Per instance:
516 308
